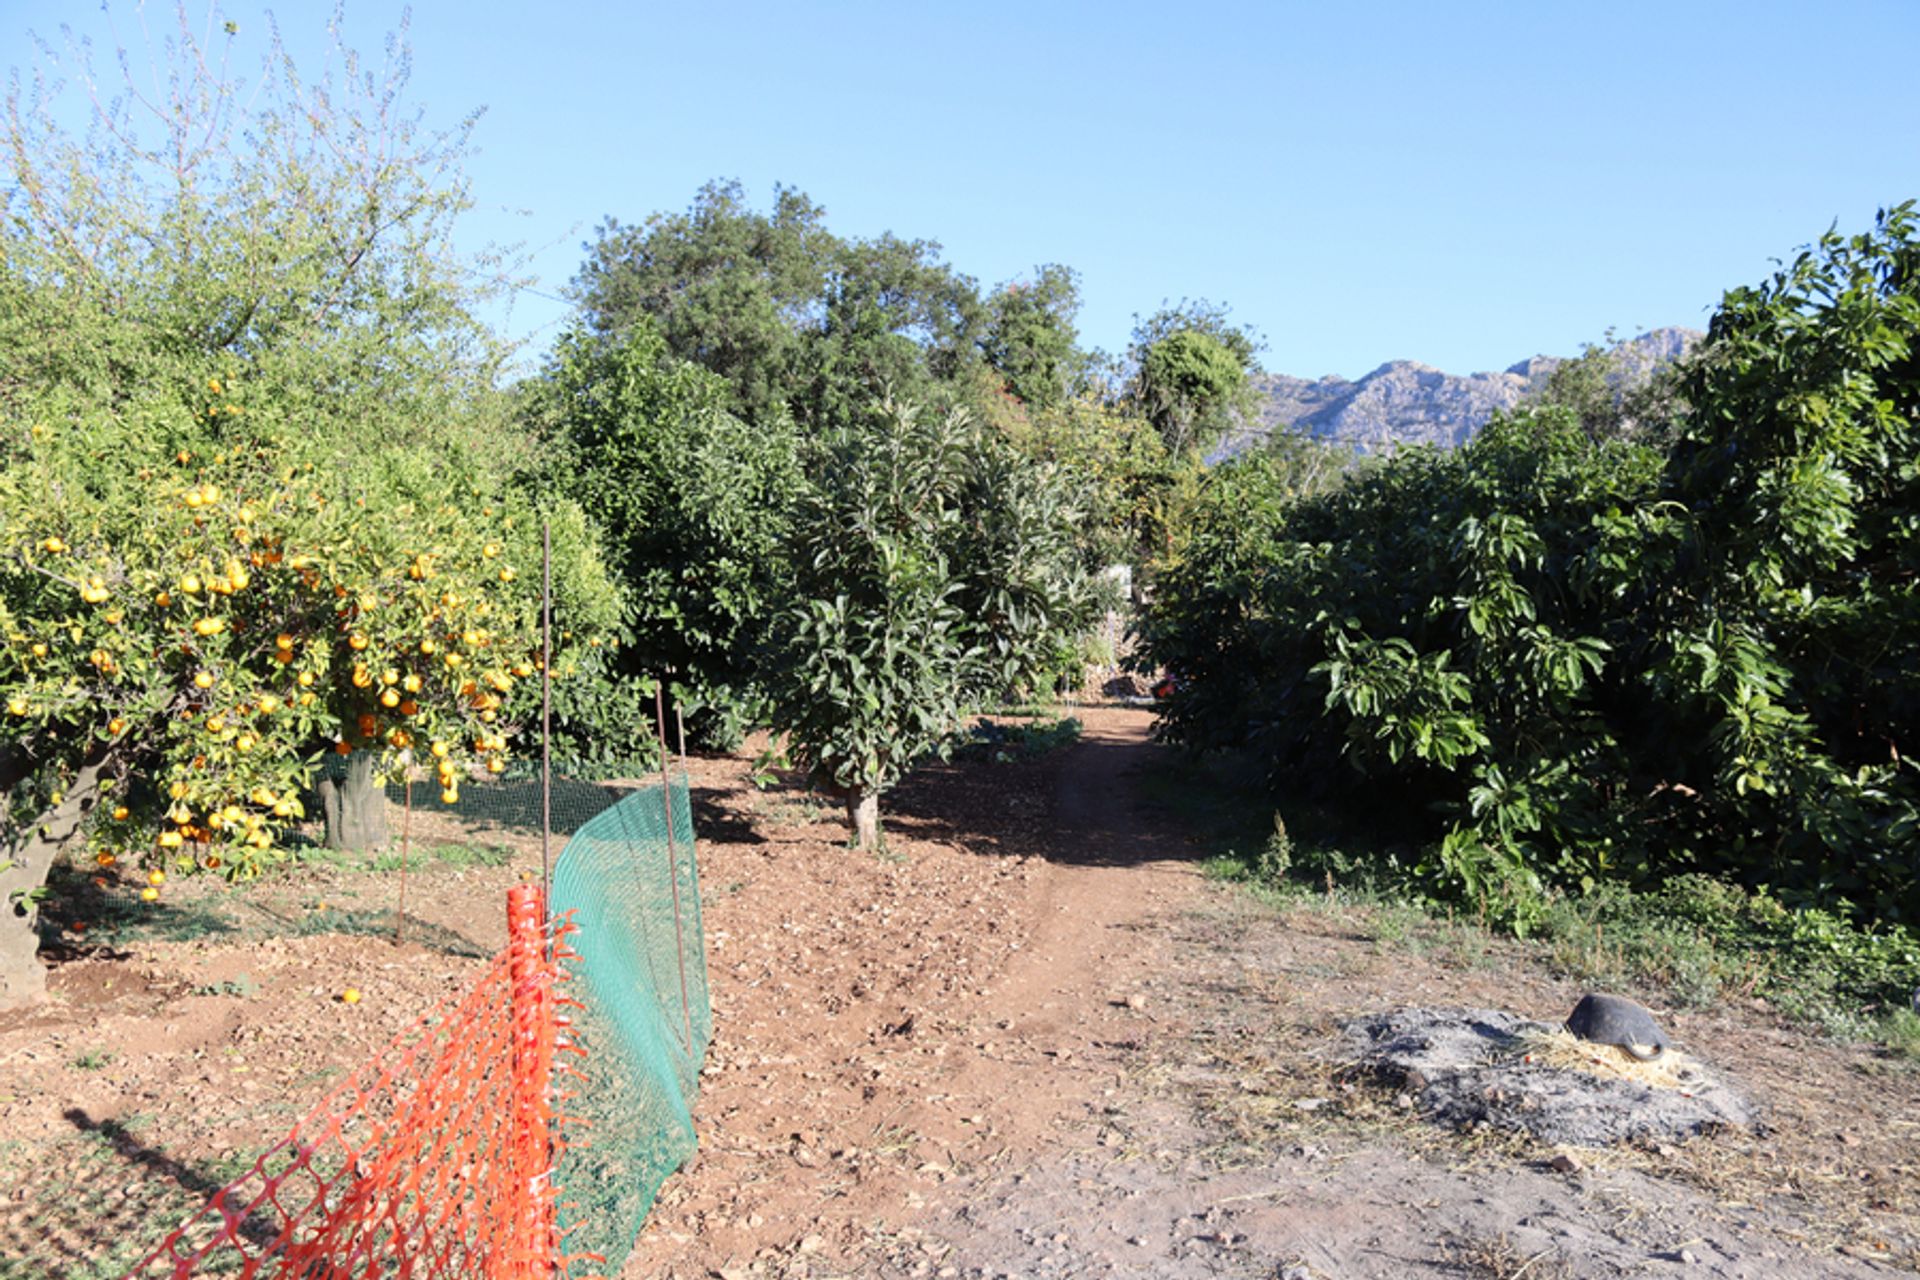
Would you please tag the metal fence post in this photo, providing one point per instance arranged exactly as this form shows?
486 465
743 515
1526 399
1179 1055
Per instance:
673 855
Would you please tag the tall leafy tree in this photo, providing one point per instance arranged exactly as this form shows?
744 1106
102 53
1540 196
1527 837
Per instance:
796 319
257 499
932 569
695 505
1191 373
728 288
895 322
1029 338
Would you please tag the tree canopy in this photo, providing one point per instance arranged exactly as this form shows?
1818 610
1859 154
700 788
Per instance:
695 505
1608 658
933 568
259 495
1191 370
797 320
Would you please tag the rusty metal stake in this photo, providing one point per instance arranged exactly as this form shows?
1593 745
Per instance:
673 857
546 711
406 847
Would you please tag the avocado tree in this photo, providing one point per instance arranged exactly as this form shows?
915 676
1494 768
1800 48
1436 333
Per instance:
256 500
1573 656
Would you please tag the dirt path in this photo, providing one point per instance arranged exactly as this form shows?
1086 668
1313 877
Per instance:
1148 1135
1000 984
1083 988
1084 995
1034 1042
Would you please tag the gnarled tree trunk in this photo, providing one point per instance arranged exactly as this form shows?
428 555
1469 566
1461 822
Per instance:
23 979
355 806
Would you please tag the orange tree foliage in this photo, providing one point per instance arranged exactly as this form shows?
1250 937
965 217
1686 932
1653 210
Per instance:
205 620
259 494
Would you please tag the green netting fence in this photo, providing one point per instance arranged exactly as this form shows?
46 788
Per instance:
522 1131
627 877
641 1022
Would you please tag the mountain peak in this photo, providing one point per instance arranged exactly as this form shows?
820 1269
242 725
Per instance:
1406 402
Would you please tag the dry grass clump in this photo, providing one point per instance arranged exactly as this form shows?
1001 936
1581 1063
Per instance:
1565 1051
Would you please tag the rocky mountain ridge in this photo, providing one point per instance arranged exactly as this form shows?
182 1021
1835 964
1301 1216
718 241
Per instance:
1405 402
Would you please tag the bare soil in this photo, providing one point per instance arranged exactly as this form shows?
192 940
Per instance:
1029 1040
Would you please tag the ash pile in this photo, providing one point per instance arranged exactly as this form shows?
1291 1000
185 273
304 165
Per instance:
1608 1075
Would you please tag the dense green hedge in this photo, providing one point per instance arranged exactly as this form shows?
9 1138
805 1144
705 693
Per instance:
1591 660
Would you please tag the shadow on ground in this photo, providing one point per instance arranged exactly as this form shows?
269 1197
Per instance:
111 918
1075 806
108 1200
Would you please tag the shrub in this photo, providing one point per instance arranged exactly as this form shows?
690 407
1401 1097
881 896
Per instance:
1596 659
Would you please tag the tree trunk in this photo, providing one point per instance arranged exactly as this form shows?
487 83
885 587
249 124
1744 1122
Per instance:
863 817
23 869
355 806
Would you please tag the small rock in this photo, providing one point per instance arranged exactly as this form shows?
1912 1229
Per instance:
813 1244
1564 1163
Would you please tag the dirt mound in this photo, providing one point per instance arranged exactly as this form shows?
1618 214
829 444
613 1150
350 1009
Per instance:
1471 1067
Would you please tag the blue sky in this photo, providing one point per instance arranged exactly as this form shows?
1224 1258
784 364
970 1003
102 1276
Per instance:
1460 183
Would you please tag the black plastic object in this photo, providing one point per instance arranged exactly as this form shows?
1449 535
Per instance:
1616 1020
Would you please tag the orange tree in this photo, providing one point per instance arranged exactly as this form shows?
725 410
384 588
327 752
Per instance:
258 496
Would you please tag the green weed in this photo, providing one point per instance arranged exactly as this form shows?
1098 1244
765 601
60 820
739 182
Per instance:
452 855
391 859
1900 1032
1697 940
1005 743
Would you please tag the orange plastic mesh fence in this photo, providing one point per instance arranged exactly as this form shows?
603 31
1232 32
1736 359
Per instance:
433 1161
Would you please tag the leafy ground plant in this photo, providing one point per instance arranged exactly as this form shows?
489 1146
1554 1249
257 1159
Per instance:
1002 743
1697 940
